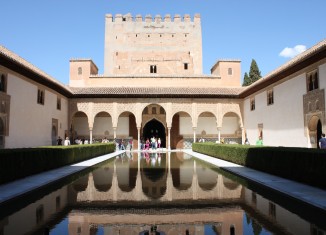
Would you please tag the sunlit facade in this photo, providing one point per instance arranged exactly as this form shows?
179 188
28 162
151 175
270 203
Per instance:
153 85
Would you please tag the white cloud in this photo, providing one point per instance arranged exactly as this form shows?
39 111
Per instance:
292 52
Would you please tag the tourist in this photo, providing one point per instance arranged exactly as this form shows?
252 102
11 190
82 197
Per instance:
159 142
105 140
59 141
247 141
322 141
67 141
130 143
147 144
259 142
121 145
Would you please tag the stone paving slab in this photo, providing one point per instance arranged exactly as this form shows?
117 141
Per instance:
305 193
22 186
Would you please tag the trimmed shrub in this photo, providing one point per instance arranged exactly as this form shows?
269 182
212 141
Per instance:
22 162
300 164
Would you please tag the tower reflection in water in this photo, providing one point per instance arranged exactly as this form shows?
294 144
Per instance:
154 193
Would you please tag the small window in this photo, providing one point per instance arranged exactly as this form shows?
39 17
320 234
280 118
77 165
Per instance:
230 71
3 83
40 96
80 71
145 110
270 97
153 69
154 110
58 103
185 66
252 104
312 79
123 18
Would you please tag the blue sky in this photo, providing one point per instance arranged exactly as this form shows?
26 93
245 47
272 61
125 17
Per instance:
50 33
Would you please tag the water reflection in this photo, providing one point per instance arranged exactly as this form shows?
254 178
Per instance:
154 193
149 177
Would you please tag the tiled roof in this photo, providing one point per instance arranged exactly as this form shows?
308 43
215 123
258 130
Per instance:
298 62
13 57
156 92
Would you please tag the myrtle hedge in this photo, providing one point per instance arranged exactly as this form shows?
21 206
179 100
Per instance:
21 162
299 164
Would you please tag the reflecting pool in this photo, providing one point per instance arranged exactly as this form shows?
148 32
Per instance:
157 193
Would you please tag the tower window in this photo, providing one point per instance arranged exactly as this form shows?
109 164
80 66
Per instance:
80 70
153 69
230 71
185 66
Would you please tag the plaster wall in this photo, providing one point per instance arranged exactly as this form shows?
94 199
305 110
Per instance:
102 127
285 114
31 123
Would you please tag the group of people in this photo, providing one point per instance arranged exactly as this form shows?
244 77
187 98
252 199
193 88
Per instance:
122 144
65 142
153 143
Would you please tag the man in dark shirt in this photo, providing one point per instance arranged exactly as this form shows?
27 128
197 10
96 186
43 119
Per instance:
322 141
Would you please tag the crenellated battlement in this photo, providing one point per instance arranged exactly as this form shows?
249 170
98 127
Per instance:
150 19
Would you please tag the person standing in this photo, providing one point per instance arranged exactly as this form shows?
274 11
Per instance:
159 142
259 142
67 141
322 141
59 141
130 144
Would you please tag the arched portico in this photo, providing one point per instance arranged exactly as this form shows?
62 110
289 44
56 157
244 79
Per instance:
184 120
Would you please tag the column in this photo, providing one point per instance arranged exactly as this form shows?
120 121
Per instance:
138 130
169 138
219 134
91 135
243 137
194 128
114 132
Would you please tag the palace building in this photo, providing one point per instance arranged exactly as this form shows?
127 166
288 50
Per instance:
153 85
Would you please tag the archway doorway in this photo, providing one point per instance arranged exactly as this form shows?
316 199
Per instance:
156 129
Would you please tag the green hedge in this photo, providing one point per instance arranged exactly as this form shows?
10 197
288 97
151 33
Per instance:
22 162
300 164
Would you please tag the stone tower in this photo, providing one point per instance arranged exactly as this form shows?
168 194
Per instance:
138 45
